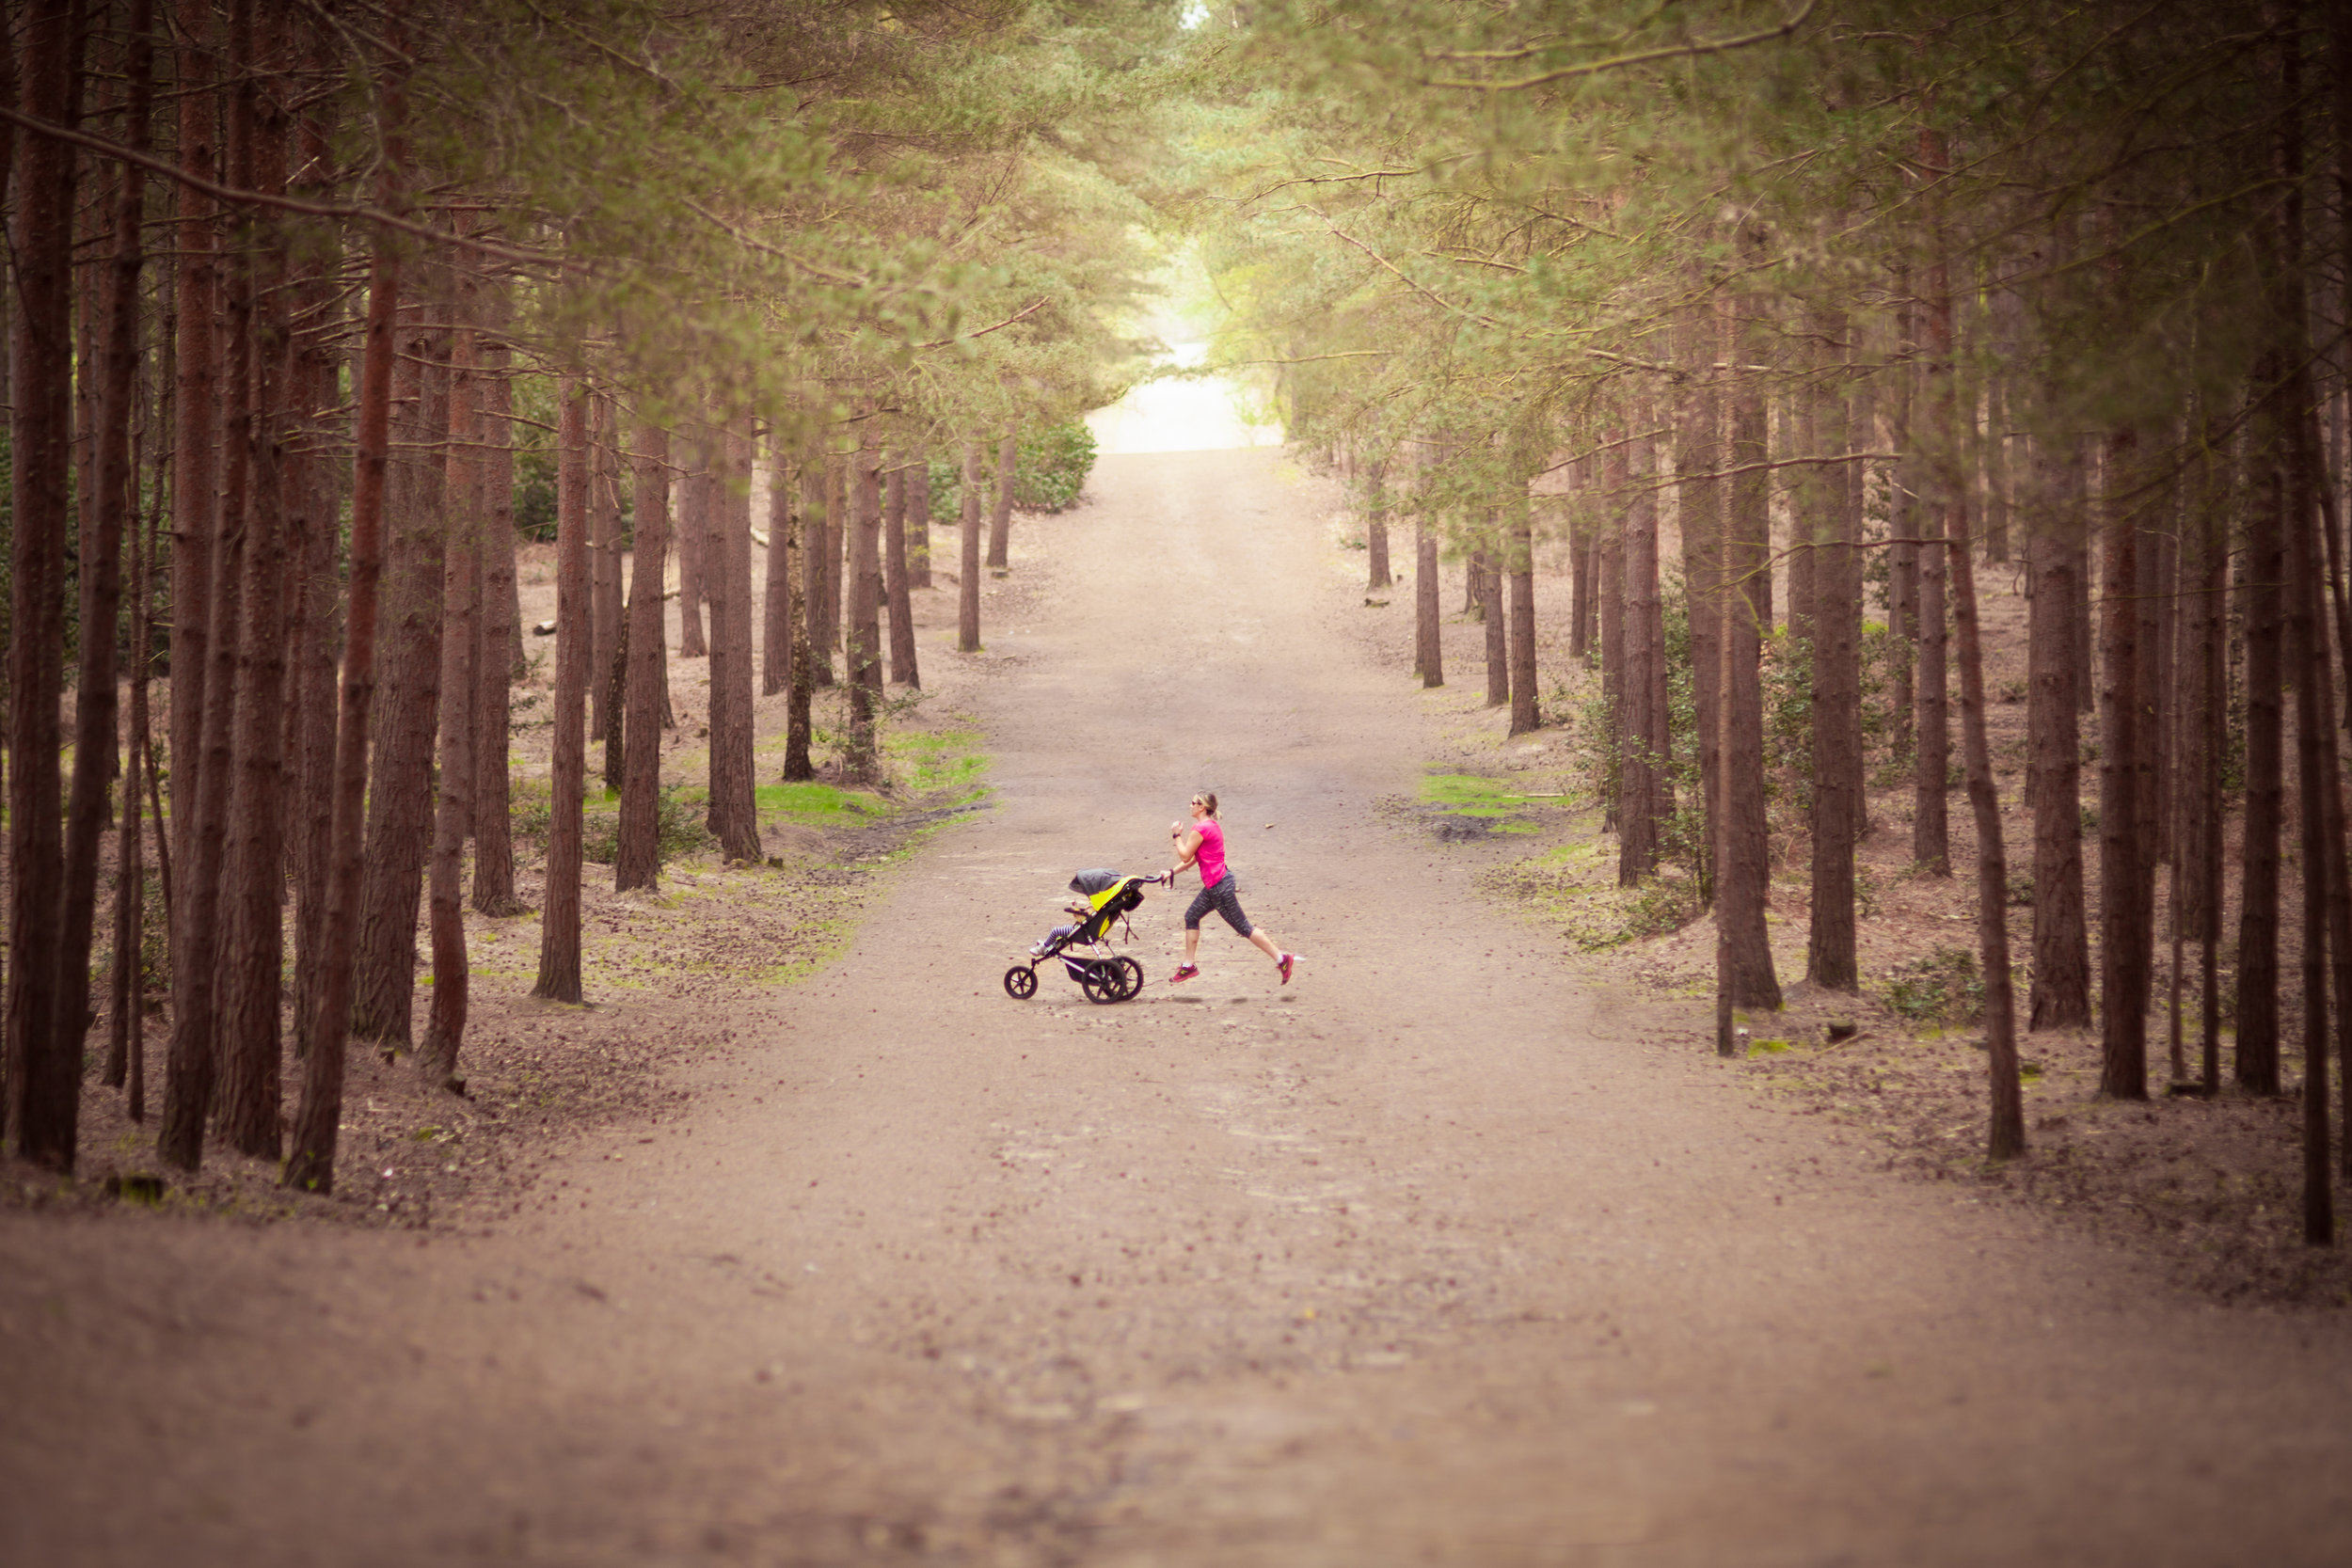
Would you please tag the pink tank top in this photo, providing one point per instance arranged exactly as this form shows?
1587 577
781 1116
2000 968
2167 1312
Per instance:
1210 857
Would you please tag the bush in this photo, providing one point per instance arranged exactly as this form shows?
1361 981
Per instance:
1049 470
1945 987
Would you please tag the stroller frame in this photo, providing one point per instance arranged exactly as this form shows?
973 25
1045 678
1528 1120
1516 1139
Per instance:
1085 950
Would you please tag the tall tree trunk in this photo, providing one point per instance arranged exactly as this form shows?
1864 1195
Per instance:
2122 930
492 822
1831 959
1699 511
895 577
1742 872
693 532
43 1056
196 469
1942 513
196 1039
919 522
115 504
251 1044
604 555
407 723
2213 700
836 557
1903 527
1521 557
968 584
1487 580
310 1167
775 615
1376 525
316 517
2005 1137
1429 641
1641 728
732 813
2061 942
2315 736
559 926
1613 661
1000 514
862 763
820 530
798 521
461 592
2258 908
637 862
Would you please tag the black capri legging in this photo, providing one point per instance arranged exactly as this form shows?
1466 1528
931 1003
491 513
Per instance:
1225 898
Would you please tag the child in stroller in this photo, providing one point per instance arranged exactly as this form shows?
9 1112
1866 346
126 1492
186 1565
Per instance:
1104 975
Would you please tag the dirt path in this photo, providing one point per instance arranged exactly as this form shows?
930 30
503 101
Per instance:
1425 1258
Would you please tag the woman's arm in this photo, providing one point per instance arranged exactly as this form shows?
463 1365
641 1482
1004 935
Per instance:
1187 850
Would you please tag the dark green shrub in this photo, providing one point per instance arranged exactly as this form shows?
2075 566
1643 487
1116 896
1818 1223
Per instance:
1048 472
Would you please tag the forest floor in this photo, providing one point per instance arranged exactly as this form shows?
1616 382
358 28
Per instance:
2210 1187
877 1265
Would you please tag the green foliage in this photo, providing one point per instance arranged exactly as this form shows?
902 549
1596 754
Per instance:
1049 471
1945 987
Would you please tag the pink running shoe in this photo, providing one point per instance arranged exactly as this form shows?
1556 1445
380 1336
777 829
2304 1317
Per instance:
1283 963
1183 973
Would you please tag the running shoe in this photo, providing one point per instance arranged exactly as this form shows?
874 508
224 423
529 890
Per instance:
1284 965
1183 973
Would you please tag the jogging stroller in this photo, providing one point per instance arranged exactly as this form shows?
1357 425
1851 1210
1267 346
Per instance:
1105 976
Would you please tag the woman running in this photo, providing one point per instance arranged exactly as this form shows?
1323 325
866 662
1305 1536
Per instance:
1202 845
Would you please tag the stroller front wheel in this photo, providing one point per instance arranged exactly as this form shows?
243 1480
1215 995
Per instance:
1020 982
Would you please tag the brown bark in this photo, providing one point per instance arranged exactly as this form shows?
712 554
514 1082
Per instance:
2122 928
195 1039
310 1167
1699 507
315 530
968 584
695 498
113 503
461 593
44 1007
861 763
895 577
1613 658
733 811
1741 867
821 541
559 915
604 557
1487 581
2315 734
492 820
2258 909
2061 941
2213 697
2005 1137
1522 545
798 766
1376 525
253 960
919 522
1831 960
197 457
1000 512
775 622
1942 513
637 861
1902 527
400 793
1642 726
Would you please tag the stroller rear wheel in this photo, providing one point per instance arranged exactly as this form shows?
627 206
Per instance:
1131 974
1020 982
1104 982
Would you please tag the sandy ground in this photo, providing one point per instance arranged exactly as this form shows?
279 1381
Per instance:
1364 1270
